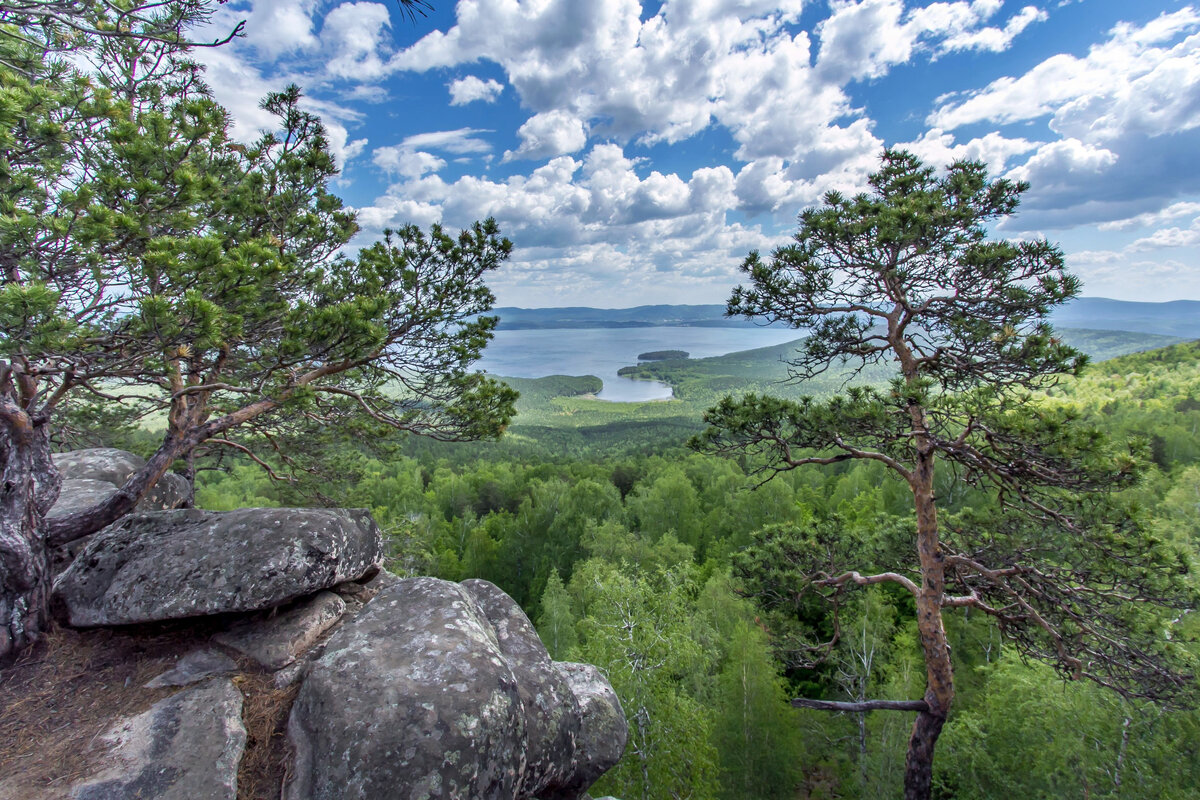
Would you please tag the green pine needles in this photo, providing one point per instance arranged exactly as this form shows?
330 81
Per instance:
906 275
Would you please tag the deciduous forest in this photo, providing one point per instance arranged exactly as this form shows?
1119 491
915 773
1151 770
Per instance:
665 566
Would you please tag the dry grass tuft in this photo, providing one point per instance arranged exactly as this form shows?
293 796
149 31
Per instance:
265 714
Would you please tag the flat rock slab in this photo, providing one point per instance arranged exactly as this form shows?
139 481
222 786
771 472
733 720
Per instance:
412 698
80 493
186 563
276 641
194 667
171 491
186 747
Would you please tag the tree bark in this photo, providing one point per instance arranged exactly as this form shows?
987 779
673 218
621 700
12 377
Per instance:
939 674
28 488
918 763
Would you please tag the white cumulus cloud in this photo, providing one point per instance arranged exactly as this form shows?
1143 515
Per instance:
549 134
354 33
469 89
404 161
461 141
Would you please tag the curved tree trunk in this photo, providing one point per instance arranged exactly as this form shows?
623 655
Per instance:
28 488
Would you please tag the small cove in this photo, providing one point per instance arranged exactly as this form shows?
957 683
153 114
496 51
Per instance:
603 351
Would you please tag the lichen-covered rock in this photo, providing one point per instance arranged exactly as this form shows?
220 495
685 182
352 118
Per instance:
91 476
172 490
185 563
412 698
99 464
278 640
443 690
186 747
552 714
603 729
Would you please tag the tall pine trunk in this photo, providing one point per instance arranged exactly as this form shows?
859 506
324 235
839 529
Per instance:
28 488
939 675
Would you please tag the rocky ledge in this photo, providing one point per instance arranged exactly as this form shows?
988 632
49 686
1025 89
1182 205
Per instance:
415 688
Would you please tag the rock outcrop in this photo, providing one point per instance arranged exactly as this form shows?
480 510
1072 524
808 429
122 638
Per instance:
185 563
415 688
438 690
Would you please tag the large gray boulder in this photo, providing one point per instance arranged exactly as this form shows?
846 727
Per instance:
186 747
603 728
552 713
185 563
444 690
412 698
99 464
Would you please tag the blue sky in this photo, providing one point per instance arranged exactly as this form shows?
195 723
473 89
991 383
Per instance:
635 152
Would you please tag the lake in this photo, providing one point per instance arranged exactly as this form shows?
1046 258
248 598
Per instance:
602 351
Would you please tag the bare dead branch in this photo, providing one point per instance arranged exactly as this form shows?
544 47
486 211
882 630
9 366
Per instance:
860 707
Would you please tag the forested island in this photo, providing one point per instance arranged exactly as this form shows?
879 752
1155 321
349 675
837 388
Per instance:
662 355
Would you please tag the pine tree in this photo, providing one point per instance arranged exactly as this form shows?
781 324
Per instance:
906 274
150 263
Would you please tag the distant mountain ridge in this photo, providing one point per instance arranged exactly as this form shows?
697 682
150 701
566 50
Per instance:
1176 318
707 316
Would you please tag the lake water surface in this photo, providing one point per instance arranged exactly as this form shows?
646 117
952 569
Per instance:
602 351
